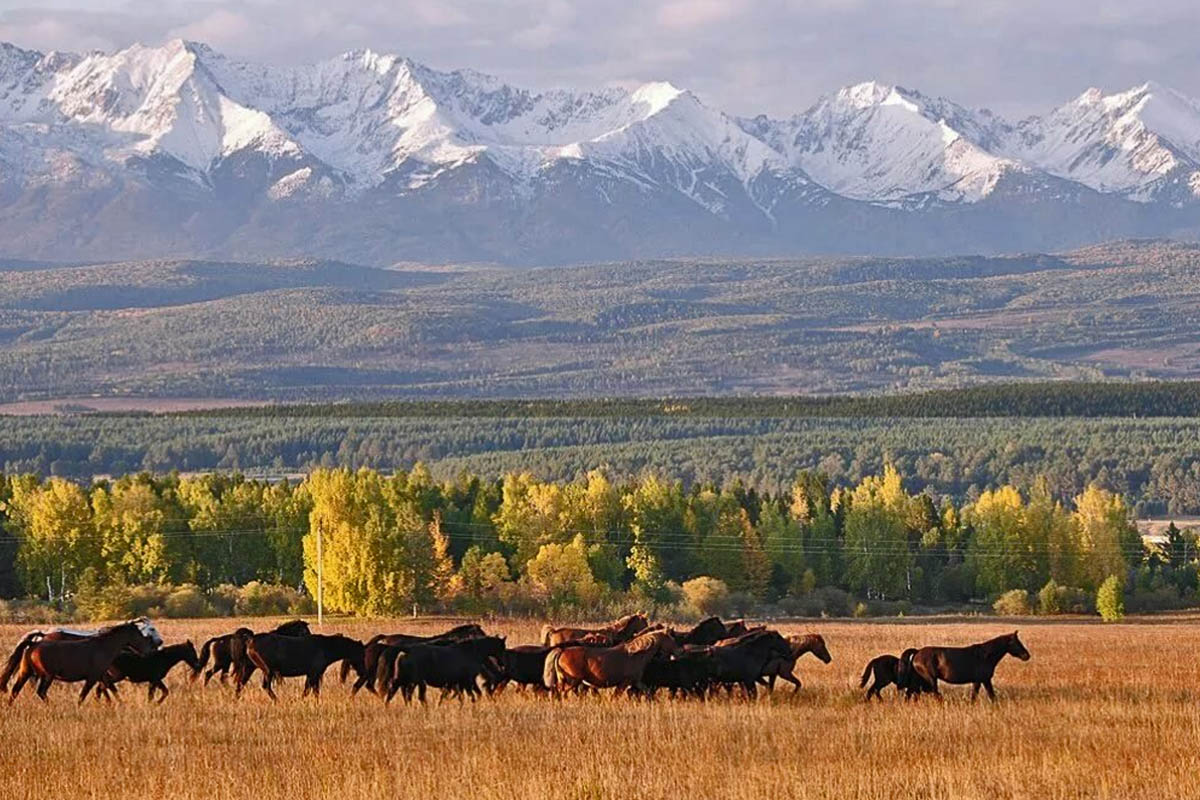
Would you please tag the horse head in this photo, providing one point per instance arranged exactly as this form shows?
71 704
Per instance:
1015 648
812 643
148 630
131 636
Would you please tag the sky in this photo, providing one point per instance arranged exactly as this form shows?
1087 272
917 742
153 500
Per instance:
743 56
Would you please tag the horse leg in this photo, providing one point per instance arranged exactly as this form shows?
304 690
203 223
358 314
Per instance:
991 693
87 687
266 684
975 691
43 687
163 691
792 679
22 678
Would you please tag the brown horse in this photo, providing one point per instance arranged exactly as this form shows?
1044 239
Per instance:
380 642
294 656
86 660
974 664
620 666
786 667
228 651
68 635
617 632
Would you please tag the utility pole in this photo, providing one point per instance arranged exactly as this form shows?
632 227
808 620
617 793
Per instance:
320 576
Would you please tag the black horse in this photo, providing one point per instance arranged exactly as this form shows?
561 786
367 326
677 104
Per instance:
309 656
707 631
150 668
453 667
887 670
379 644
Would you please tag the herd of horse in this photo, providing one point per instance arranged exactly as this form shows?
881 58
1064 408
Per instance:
631 656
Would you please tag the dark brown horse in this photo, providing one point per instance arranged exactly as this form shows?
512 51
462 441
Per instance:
887 670
737 628
745 660
454 667
617 632
150 668
377 644
707 631
68 635
620 666
87 659
974 664
785 668
228 651
281 656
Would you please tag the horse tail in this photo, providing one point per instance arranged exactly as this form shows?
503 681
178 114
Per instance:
550 670
205 651
14 660
866 676
385 667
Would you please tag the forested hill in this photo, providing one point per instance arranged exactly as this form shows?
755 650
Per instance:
305 331
1038 399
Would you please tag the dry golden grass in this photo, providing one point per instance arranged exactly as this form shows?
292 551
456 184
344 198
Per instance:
1100 711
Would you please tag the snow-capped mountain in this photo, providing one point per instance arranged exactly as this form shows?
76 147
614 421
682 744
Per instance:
178 149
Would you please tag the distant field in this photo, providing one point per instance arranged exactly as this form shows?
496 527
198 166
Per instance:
1100 711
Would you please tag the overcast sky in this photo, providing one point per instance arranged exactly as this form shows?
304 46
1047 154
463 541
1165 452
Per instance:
744 56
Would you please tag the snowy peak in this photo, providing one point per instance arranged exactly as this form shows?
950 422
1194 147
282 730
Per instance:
886 144
1141 143
366 121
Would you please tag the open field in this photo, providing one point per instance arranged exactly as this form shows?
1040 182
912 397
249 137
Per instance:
1099 711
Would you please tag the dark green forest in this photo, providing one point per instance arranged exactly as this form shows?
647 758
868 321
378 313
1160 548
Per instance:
1140 440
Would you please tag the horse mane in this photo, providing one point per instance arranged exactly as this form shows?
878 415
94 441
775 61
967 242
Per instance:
804 642
645 641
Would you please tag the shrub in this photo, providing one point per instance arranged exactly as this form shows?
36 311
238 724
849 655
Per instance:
1013 603
1110 599
257 599
707 596
223 599
1048 599
861 610
187 601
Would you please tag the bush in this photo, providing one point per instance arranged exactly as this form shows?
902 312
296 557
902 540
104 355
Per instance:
187 601
1048 600
223 599
1013 603
257 599
1110 599
827 601
708 596
861 610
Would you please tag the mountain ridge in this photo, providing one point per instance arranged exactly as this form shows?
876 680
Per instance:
180 150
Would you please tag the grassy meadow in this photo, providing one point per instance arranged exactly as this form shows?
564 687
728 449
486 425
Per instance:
1100 711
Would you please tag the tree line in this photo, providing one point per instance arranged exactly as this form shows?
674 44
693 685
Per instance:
1004 399
392 542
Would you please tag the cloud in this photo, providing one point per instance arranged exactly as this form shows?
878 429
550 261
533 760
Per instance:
746 56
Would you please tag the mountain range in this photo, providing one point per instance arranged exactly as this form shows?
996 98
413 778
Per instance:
178 150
